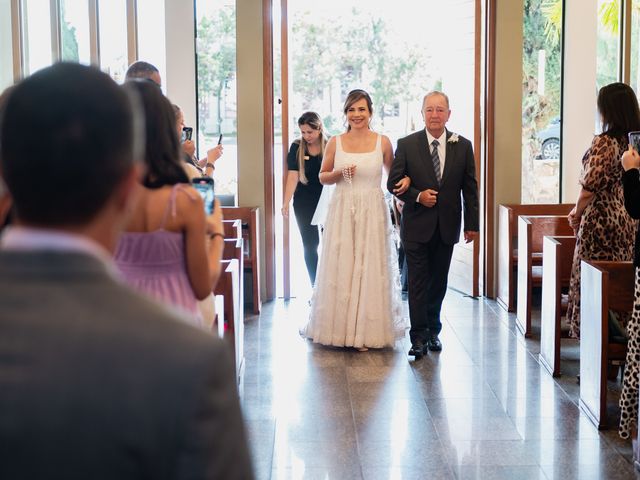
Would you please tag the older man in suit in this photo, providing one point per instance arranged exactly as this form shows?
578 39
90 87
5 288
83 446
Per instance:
95 381
441 167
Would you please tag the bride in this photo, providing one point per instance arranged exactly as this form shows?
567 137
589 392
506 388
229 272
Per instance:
357 299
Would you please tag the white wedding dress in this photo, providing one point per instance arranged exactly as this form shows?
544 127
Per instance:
357 298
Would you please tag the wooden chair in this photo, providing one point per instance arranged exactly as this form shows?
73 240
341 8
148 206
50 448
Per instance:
531 230
218 326
557 260
508 241
229 287
249 216
232 228
604 286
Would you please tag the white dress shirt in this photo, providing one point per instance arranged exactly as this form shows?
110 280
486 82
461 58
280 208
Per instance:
25 239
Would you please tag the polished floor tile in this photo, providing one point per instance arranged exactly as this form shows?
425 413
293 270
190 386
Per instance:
483 408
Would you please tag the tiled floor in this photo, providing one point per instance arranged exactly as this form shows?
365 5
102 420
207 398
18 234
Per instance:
482 408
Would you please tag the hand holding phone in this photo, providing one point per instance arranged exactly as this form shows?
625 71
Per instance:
634 140
205 187
630 158
187 133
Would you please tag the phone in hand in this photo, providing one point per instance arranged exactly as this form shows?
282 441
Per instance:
220 139
634 140
187 133
205 187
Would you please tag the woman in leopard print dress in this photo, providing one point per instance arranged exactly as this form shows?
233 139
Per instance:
604 229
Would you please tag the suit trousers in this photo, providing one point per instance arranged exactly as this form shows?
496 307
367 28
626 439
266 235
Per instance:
428 264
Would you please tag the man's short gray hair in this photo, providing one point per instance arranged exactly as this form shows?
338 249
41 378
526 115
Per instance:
431 94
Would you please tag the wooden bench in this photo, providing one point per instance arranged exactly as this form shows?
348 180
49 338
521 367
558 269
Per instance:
604 286
229 287
232 228
218 325
249 216
508 241
531 231
557 260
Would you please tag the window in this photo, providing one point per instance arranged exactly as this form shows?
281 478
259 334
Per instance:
216 76
151 36
6 52
36 35
74 31
608 53
112 16
382 47
635 44
541 101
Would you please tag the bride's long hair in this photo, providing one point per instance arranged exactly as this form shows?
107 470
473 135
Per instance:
315 122
353 97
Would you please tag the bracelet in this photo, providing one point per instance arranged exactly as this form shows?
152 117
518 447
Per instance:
216 234
210 165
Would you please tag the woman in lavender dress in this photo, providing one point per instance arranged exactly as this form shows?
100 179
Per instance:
170 250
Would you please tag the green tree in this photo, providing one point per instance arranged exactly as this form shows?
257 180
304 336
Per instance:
216 61
69 39
312 62
355 52
394 75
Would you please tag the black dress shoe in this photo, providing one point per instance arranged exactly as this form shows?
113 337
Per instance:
417 349
434 344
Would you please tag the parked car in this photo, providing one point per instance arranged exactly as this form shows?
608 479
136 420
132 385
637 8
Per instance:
550 140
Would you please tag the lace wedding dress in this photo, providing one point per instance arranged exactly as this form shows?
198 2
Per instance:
357 298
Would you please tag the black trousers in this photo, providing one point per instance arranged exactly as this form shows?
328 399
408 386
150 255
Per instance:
304 208
428 264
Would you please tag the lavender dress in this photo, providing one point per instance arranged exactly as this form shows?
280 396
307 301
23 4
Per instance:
154 263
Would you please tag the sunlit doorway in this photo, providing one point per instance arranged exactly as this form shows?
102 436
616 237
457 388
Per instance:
397 51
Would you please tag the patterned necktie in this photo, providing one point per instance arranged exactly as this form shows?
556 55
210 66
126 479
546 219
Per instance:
435 158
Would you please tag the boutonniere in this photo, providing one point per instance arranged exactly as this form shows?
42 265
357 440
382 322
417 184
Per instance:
453 138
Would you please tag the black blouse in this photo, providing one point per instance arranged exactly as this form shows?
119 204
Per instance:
631 188
311 169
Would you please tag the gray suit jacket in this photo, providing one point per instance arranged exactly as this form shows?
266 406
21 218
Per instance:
97 382
458 184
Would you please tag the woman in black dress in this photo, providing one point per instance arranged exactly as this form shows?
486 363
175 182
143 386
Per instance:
303 162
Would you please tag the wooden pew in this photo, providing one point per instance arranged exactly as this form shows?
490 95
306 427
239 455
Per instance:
233 248
229 287
604 286
249 216
508 241
531 231
232 228
557 260
218 326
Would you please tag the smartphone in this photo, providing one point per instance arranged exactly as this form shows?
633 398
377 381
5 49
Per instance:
634 140
204 185
220 139
187 133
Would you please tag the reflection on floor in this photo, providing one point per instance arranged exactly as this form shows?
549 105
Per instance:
482 408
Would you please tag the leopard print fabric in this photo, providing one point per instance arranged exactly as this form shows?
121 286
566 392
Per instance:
606 231
629 395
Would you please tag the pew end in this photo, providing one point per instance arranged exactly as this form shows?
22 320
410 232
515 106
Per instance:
604 286
556 275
